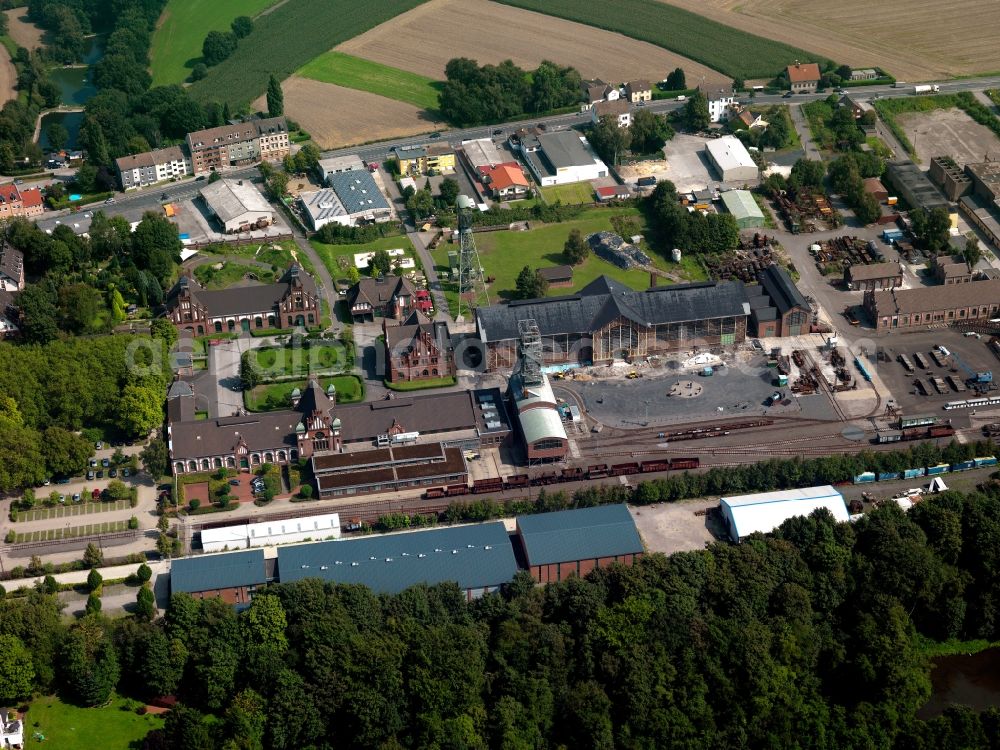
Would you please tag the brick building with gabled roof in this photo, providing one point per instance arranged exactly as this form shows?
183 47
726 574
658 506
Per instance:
386 296
291 302
910 308
803 76
418 349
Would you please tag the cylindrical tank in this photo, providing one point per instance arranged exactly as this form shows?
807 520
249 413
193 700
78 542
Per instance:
676 255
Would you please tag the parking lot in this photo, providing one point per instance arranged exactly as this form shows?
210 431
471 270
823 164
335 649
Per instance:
970 351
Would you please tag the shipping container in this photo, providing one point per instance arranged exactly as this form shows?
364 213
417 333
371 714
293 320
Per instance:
986 461
886 476
889 436
963 466
939 469
913 473
915 421
868 476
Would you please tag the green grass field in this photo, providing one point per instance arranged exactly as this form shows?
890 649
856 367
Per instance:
572 194
724 48
182 29
278 395
274 361
67 511
287 38
230 273
504 254
337 258
64 725
365 75
278 254
71 532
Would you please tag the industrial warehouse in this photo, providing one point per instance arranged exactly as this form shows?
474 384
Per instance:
607 320
479 558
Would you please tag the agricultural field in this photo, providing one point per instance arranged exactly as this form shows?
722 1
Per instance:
182 29
375 78
914 40
336 116
21 30
287 38
737 53
415 41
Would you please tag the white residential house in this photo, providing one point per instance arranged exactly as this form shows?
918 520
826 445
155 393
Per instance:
139 170
619 110
11 730
719 109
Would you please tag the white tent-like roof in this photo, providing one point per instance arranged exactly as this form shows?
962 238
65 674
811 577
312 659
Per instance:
766 511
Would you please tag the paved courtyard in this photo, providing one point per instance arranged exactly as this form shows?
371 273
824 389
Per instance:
675 527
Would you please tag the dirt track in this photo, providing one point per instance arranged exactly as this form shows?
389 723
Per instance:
337 116
22 31
423 41
912 39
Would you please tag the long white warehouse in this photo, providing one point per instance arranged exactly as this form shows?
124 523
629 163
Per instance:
268 533
766 511
731 159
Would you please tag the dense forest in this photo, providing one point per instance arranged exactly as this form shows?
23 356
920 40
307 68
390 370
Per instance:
812 638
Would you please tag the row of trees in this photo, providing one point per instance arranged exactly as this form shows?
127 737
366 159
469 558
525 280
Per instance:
219 45
696 232
812 637
474 94
646 134
847 176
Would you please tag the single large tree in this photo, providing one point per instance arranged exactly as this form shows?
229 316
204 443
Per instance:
242 26
576 248
218 46
17 673
530 284
676 80
696 115
275 97
155 458
972 252
250 374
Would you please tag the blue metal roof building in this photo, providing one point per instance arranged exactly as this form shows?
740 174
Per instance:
478 557
574 542
231 575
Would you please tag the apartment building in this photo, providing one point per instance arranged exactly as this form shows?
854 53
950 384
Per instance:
139 170
237 145
17 202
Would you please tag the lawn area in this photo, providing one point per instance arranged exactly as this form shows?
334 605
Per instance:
276 361
182 29
375 78
66 511
278 395
572 194
110 726
70 532
338 258
280 254
230 273
419 385
504 254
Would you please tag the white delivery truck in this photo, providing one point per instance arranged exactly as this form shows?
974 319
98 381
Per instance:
926 89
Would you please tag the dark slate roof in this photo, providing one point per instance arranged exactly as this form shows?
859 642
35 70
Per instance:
11 262
457 554
357 191
213 437
402 336
438 412
377 292
781 289
556 273
603 299
582 534
244 300
212 572
313 399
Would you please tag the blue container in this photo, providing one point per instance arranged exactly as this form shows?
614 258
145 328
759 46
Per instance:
884 476
986 461
939 469
913 473
868 476
963 466
75 196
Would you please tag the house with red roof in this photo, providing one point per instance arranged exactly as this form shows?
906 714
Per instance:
803 77
613 193
505 181
16 202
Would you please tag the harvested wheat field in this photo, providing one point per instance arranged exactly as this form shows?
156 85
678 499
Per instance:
418 41
21 30
336 116
915 40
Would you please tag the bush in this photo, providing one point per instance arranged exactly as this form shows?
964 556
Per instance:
306 491
50 585
133 523
94 580
144 573
11 536
194 504
93 603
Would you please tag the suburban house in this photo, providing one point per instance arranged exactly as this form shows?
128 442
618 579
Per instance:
608 193
139 170
11 729
720 109
238 205
873 276
17 202
290 302
749 120
11 268
353 198
619 110
505 181
418 349
435 158
731 159
803 77
607 320
865 74
238 145
777 306
913 308
638 91
561 157
338 164
386 296
8 314
599 91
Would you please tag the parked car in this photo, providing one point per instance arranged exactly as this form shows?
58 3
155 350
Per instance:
90 475
498 131
62 498
110 200
93 462
76 497
126 473
47 482
435 134
164 196
100 474
234 482
105 462
62 480
99 445
775 398
113 473
786 95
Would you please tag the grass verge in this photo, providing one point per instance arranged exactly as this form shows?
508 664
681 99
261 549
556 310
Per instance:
572 194
375 78
419 385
